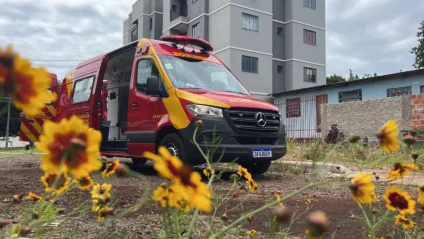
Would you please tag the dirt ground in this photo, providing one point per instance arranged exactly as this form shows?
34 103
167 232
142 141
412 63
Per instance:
21 174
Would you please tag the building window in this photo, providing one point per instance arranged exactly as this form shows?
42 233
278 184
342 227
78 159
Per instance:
249 64
421 89
293 108
399 91
309 37
280 31
151 24
250 22
195 30
174 8
310 4
352 95
134 36
280 69
82 90
309 75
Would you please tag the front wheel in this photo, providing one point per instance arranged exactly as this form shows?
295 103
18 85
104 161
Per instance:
174 144
258 168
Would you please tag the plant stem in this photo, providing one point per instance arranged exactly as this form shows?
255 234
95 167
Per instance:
266 206
366 217
190 229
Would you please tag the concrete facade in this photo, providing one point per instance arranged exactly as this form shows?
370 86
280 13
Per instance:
277 43
307 123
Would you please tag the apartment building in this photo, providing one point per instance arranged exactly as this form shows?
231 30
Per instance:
271 45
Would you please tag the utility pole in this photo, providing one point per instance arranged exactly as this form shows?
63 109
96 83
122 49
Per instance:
7 124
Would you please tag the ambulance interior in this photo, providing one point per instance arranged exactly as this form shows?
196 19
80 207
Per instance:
117 75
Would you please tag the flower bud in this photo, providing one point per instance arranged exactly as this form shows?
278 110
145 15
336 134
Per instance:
250 219
78 144
235 194
374 210
415 155
318 223
224 216
5 223
25 231
122 170
35 215
409 139
234 177
199 124
353 139
18 198
283 214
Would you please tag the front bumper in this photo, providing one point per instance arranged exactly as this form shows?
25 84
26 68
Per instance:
229 145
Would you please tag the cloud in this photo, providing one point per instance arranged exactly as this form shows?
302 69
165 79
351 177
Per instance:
58 30
371 36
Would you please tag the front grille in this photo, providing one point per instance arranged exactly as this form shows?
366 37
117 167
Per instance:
257 140
245 119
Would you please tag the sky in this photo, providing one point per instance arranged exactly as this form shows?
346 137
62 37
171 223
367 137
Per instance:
367 36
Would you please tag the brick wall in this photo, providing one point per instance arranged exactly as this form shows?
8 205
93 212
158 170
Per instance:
367 116
417 111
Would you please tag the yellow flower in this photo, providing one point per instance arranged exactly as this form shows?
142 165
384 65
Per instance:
55 183
252 185
100 191
110 169
279 200
399 200
85 182
103 212
186 183
308 202
242 172
72 142
421 194
194 192
399 170
26 85
16 230
388 136
363 189
251 232
166 165
163 194
34 197
406 223
208 171
99 203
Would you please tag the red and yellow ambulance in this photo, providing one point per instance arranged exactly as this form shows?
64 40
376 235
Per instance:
151 93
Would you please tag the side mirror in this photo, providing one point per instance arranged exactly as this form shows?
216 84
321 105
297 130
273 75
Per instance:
152 87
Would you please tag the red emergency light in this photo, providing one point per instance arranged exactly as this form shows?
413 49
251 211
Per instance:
187 40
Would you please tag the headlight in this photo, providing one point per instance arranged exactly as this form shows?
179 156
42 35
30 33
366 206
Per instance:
204 110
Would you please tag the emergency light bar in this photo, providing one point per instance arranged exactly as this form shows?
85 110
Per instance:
187 40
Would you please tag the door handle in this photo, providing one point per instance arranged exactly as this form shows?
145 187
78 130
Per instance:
134 105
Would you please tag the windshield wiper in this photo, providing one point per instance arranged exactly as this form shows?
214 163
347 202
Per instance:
235 92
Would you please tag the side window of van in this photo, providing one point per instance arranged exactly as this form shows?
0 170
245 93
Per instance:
82 90
145 69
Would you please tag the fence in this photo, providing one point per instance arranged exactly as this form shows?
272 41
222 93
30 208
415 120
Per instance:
301 115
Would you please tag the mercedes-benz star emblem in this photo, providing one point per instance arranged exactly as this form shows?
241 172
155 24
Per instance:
260 119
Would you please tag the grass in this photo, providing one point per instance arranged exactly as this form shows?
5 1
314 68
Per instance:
371 156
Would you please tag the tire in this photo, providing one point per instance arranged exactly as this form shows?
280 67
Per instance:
139 161
258 168
175 146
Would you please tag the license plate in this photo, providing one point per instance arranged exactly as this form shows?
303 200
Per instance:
262 153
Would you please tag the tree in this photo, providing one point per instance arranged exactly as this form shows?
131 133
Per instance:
335 79
419 50
352 77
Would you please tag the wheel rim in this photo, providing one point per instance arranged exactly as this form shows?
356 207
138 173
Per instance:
172 148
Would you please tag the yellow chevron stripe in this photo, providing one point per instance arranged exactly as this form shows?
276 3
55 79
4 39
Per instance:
28 133
37 127
52 110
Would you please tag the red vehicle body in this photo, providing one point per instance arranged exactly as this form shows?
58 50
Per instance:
150 93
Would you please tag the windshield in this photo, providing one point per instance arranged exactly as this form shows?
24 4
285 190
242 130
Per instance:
190 73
